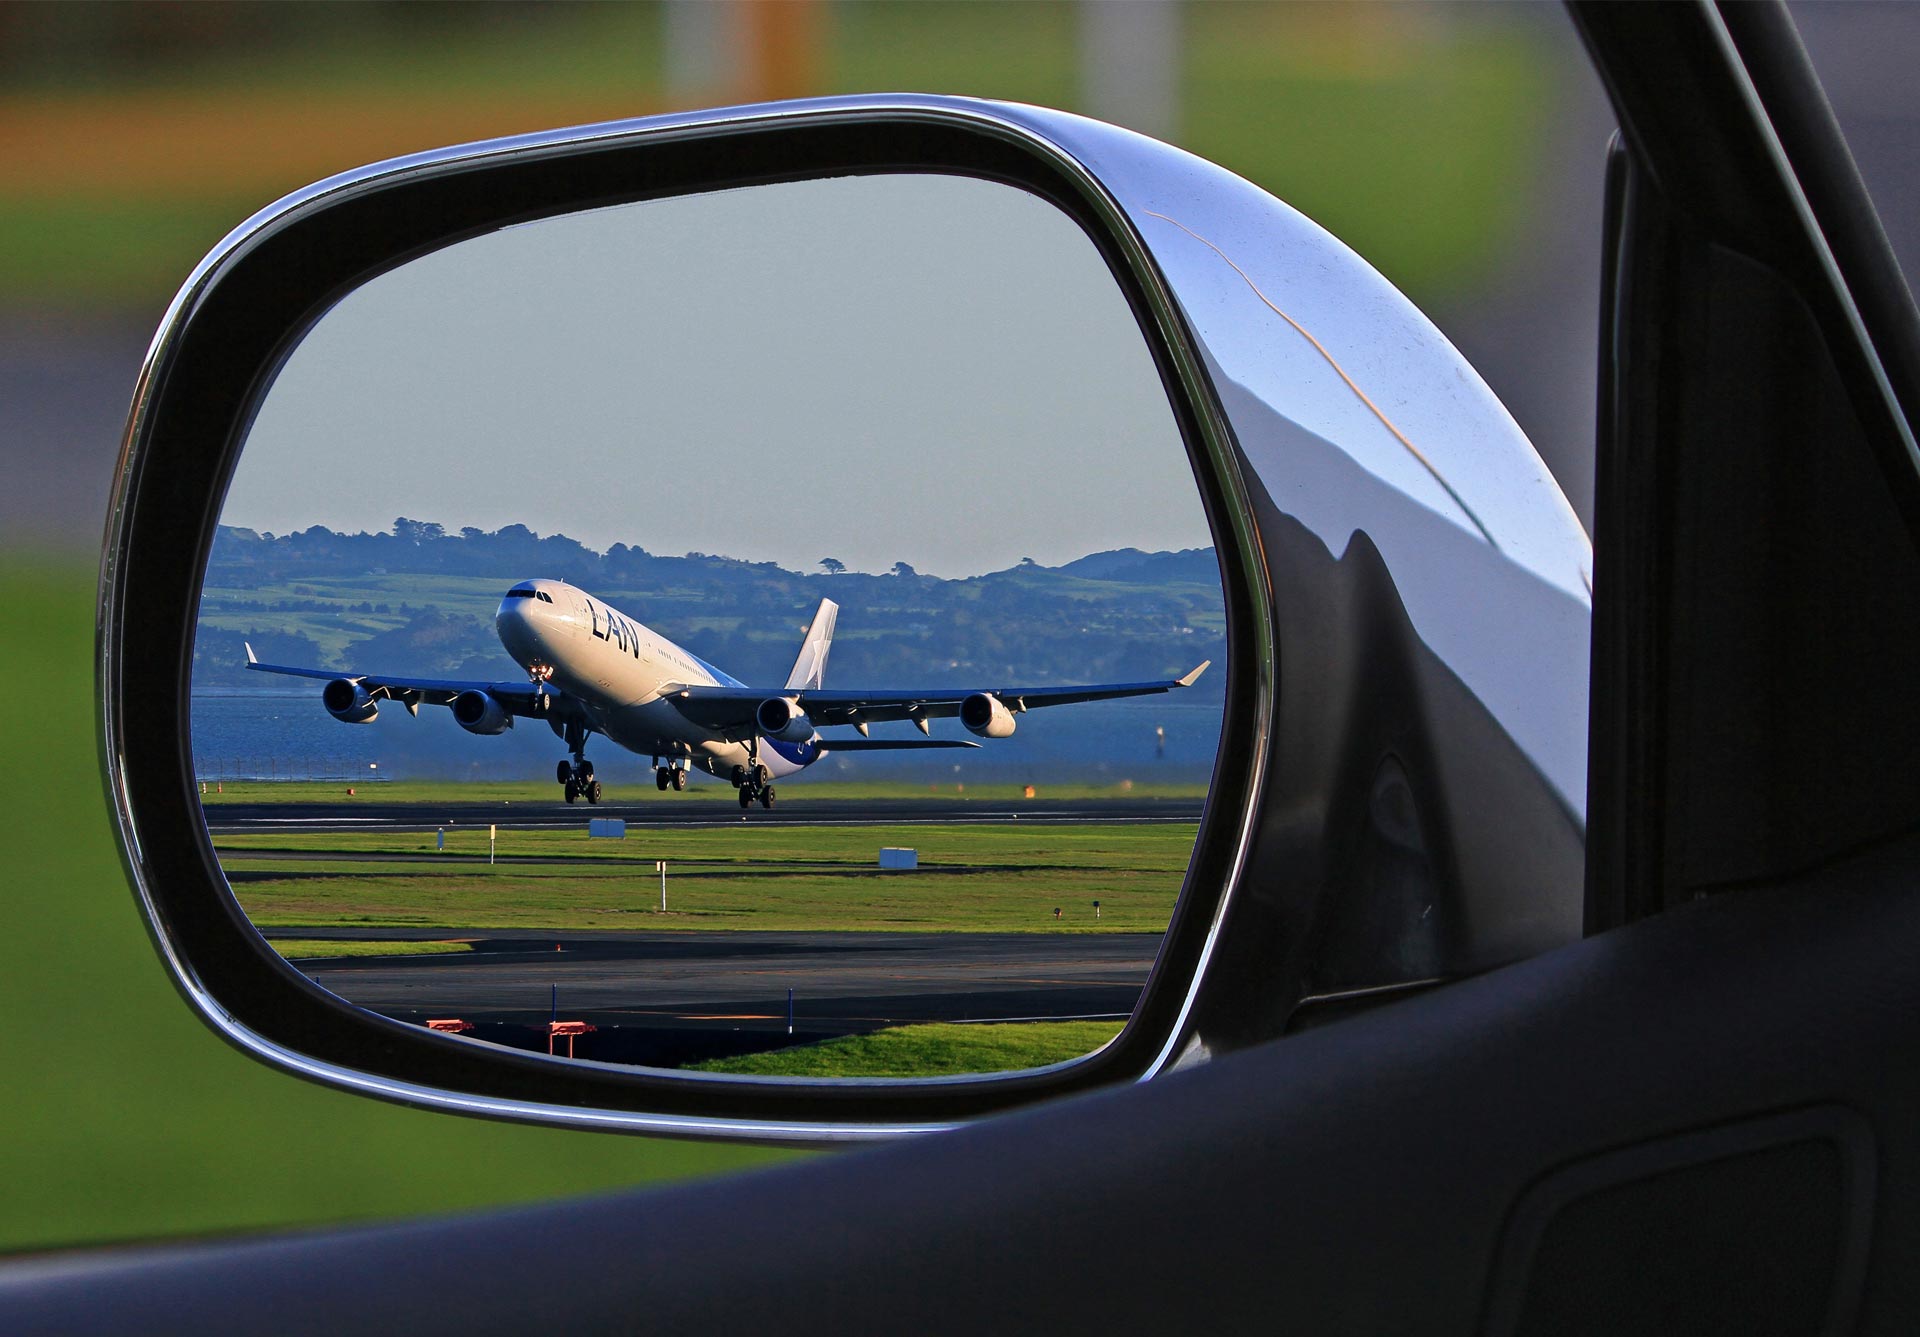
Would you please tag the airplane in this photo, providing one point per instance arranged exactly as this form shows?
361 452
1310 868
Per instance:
592 669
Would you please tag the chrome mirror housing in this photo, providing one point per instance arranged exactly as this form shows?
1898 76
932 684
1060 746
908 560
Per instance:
1399 794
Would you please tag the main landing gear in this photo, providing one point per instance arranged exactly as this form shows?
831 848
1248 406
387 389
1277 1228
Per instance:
576 780
673 776
576 776
754 782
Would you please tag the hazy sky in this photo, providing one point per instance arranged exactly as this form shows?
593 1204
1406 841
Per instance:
928 369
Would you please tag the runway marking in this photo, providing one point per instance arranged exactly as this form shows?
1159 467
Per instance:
299 821
644 818
1077 1016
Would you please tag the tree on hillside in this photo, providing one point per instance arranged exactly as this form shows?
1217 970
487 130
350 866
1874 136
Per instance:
833 565
902 569
417 531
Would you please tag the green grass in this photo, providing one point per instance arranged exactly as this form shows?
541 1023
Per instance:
101 253
1410 137
940 1049
125 1117
312 949
972 879
1414 147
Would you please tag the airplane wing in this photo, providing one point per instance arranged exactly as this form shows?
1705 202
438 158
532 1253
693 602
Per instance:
730 709
518 698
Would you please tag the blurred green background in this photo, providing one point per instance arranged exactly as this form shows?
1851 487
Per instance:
132 136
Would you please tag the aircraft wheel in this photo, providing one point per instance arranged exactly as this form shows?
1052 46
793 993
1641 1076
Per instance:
564 772
593 791
586 769
661 780
739 776
573 791
746 797
766 796
679 779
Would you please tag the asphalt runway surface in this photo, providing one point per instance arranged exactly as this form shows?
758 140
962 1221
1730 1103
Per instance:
684 810
732 987
675 997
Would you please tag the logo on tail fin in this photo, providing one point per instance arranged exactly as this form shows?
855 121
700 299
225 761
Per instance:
810 667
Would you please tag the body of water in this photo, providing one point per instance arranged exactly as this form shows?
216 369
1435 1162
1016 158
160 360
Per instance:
283 735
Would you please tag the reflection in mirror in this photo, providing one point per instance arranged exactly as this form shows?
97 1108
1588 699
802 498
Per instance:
762 631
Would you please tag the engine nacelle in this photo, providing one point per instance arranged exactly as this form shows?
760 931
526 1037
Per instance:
781 717
983 714
348 702
478 712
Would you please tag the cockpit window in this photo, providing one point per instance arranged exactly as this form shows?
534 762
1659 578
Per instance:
518 593
543 596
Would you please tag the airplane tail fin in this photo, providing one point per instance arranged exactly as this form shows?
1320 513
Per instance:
810 668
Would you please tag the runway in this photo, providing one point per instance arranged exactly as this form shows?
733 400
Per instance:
684 811
667 998
711 993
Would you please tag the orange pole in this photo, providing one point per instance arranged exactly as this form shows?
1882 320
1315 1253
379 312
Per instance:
782 48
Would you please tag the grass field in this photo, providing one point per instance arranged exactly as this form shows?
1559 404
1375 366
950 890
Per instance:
126 1118
935 1050
987 878
313 949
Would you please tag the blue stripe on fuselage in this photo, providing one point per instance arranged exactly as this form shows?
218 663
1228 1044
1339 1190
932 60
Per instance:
800 754
721 676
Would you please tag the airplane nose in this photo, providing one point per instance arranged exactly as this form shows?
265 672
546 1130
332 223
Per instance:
514 621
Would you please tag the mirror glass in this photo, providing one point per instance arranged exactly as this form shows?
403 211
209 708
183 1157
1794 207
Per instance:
753 631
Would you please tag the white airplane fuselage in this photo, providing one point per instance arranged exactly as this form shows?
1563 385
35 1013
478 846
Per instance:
619 671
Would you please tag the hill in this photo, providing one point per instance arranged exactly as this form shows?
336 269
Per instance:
420 600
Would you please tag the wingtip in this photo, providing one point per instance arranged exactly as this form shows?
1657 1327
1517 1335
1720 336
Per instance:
1194 676
250 658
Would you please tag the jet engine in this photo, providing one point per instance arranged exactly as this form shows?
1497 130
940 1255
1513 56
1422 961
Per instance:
478 712
348 702
781 717
983 714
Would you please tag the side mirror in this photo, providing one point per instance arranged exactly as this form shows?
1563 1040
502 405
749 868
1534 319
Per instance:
1402 594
